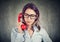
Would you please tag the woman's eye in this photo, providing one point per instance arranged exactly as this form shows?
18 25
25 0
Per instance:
32 15
26 14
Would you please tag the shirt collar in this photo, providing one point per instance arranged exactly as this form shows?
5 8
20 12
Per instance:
35 28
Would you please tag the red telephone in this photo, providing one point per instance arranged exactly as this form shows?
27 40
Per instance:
23 26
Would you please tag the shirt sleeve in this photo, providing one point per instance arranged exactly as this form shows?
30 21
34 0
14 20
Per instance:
45 36
16 36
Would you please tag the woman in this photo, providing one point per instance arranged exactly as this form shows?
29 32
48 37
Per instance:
33 33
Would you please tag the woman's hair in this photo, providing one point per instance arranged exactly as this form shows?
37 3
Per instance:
33 7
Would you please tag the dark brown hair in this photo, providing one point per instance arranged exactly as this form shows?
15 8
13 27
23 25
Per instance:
33 7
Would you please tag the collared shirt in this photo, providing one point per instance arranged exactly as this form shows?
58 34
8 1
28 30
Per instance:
41 36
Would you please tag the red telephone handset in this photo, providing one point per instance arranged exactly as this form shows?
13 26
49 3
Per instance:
23 26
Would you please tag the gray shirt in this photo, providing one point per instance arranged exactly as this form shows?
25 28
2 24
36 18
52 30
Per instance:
40 36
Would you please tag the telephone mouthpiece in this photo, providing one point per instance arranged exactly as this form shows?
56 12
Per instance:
23 27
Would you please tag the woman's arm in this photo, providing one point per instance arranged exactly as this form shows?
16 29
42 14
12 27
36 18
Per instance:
16 36
46 37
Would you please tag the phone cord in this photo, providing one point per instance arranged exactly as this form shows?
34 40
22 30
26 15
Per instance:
24 36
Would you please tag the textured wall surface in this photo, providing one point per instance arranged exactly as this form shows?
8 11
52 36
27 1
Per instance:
49 17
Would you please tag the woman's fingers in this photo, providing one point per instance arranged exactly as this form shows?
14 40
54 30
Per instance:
19 27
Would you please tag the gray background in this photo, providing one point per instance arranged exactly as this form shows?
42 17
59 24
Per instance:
49 17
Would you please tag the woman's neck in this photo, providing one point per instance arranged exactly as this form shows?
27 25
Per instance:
30 30
29 27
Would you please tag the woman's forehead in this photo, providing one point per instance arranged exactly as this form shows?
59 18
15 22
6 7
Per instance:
30 11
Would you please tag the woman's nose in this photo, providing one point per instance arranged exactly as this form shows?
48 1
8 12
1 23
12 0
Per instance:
29 18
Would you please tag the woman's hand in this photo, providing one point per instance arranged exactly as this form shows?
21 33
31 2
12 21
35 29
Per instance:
19 26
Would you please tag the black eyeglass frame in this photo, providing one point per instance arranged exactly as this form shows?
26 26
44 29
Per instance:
31 16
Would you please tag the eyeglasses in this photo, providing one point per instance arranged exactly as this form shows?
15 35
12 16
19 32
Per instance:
31 16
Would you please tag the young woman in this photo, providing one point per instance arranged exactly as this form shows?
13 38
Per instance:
33 33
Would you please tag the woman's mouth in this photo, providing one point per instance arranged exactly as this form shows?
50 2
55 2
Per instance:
28 21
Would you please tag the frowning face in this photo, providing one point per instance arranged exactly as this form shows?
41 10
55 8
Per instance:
29 16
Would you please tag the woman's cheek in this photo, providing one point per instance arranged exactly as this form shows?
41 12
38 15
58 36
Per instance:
32 21
25 19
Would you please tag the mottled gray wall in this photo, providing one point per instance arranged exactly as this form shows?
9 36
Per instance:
49 10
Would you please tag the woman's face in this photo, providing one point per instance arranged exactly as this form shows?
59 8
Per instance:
29 16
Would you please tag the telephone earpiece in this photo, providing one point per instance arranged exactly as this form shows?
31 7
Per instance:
23 26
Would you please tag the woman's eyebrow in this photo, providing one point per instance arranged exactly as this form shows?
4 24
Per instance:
28 14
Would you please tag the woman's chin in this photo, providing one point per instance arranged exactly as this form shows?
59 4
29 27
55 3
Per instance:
29 24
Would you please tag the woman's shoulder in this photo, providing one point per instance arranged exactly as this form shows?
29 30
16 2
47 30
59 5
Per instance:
43 31
45 35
